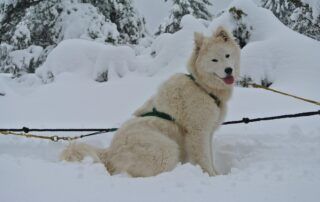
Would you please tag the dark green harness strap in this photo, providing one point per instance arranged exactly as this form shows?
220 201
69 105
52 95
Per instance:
156 113
191 77
216 99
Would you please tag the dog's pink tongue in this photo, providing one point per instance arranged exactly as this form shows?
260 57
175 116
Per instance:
228 79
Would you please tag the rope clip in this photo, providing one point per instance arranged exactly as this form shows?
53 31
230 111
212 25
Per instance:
54 138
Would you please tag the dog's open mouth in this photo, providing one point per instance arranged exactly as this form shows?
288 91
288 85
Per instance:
228 80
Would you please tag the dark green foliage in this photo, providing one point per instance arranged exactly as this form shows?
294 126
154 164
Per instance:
242 31
266 82
237 13
122 12
12 15
297 15
31 25
180 8
245 81
102 77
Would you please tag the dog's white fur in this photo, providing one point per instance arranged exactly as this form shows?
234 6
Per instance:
147 146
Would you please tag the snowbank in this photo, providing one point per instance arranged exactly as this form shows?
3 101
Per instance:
90 59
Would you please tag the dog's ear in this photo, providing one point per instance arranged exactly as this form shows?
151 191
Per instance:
198 40
222 34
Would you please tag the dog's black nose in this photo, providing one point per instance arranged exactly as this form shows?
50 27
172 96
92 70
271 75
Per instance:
228 70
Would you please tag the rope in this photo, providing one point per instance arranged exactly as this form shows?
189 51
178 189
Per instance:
254 85
247 120
27 130
56 138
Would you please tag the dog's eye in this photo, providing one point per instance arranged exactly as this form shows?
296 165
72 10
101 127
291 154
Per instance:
227 55
214 60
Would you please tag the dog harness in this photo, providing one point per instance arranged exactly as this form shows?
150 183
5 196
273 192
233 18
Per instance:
168 117
216 99
156 113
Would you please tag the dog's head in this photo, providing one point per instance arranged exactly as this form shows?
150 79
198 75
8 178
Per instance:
215 60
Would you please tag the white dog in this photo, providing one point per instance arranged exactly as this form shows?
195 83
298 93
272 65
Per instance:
178 122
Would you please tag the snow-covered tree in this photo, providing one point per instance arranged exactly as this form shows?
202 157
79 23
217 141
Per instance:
14 35
180 8
11 13
296 14
31 29
241 29
130 25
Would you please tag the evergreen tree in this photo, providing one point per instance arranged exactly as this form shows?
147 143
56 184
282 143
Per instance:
180 8
297 15
14 35
31 29
241 30
130 25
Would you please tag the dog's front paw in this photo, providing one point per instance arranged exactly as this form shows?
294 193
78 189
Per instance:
211 172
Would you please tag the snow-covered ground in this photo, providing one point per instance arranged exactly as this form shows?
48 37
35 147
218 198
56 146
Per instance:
269 161
264 161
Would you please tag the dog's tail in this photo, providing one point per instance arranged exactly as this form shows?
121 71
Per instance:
77 152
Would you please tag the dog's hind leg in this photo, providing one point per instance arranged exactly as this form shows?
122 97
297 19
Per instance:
144 155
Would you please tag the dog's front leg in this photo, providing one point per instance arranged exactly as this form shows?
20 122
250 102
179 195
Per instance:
198 146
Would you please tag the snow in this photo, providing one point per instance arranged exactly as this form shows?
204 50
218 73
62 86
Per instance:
22 58
275 161
21 33
315 5
263 161
219 5
88 58
84 21
153 10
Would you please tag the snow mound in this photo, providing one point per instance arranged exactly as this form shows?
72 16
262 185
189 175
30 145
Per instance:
90 59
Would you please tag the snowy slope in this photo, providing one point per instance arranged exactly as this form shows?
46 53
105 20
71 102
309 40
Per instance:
266 161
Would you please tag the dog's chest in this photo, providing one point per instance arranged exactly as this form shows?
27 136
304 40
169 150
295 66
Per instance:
201 106
188 103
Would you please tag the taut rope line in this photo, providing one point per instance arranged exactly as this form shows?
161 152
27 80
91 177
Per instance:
56 138
254 85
